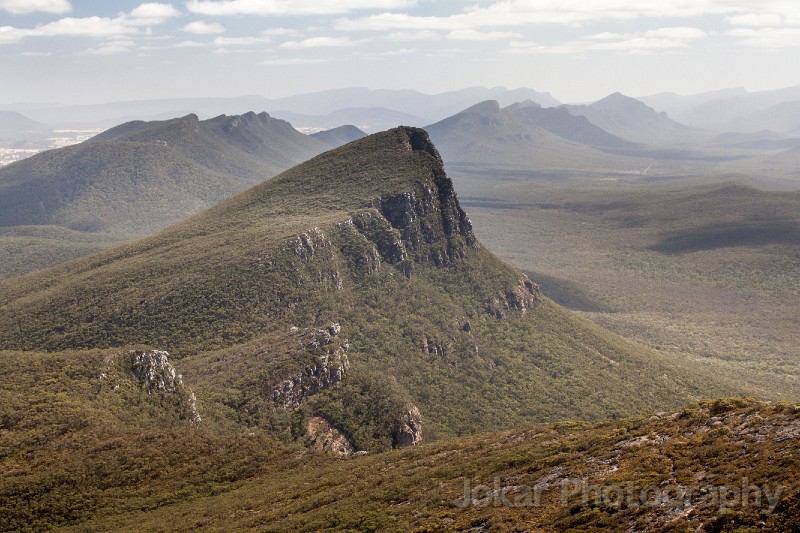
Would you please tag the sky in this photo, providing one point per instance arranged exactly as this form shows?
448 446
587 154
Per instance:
96 51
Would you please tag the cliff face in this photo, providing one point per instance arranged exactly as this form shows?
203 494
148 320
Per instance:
424 224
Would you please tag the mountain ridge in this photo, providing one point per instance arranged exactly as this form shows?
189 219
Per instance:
352 287
629 118
137 178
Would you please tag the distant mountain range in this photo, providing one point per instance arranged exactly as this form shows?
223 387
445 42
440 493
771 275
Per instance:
15 126
524 135
734 109
630 119
429 108
368 119
139 177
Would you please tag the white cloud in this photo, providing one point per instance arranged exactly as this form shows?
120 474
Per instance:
399 52
10 34
681 33
240 41
656 41
84 27
321 42
150 14
201 27
188 44
21 7
476 35
756 19
422 35
290 7
531 47
107 50
292 61
511 13
768 37
402 21
651 41
279 32
95 27
36 54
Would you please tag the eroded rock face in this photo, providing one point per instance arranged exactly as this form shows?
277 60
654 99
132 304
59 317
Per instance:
323 436
378 230
408 429
423 225
154 372
519 299
429 345
430 221
328 367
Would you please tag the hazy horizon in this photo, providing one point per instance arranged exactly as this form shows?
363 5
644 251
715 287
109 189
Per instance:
57 51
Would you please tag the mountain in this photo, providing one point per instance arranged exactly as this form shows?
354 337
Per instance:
339 136
368 119
350 288
432 107
267 349
139 177
681 106
524 135
783 117
630 119
724 110
15 126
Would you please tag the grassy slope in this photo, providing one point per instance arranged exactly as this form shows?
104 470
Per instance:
83 454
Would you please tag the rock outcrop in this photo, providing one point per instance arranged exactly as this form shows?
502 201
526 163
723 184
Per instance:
520 298
328 366
422 225
429 345
323 436
408 429
154 372
156 375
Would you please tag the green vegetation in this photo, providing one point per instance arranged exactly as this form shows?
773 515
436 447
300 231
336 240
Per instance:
438 321
83 455
134 180
695 267
352 288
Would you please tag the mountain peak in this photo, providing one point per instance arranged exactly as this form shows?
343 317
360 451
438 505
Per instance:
525 104
617 100
487 107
